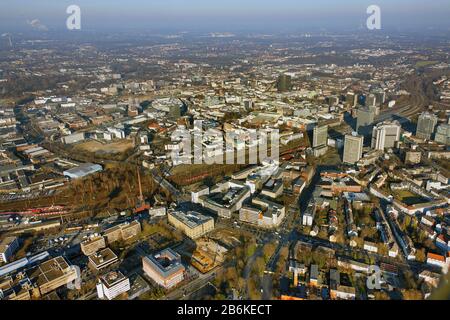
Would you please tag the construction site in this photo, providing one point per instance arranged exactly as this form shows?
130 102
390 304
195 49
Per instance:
208 255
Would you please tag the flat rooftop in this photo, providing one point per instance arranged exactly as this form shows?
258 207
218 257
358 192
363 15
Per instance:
103 257
227 199
50 270
5 243
83 170
166 263
112 278
192 219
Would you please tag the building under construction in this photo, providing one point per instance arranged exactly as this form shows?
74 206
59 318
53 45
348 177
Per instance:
208 255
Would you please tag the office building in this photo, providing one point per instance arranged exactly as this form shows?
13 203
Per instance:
172 106
122 232
226 198
371 100
380 96
18 287
385 135
443 134
92 245
250 214
112 285
192 224
365 117
26 262
164 268
273 188
413 157
102 259
425 125
351 99
375 110
362 99
333 101
320 136
248 105
8 246
262 212
353 148
320 151
284 83
52 274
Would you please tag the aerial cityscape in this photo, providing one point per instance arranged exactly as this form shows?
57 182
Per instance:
220 161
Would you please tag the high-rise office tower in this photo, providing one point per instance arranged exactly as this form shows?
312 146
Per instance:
371 100
353 148
380 96
362 99
248 105
333 101
365 117
351 99
443 134
320 136
375 110
385 135
284 83
426 124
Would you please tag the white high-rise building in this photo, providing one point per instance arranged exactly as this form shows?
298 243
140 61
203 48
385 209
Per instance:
320 136
385 135
112 285
371 100
353 147
443 134
426 125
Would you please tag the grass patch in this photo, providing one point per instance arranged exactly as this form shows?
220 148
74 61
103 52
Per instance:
422 64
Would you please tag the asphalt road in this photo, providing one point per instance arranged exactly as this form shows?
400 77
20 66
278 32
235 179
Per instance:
192 286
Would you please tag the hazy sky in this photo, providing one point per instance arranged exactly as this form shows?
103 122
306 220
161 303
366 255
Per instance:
216 15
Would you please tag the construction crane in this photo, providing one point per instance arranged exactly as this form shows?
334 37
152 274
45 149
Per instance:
142 205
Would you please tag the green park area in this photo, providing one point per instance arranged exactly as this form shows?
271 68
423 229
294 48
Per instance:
425 63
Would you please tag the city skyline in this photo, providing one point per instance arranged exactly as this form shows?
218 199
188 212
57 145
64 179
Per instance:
250 151
249 15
